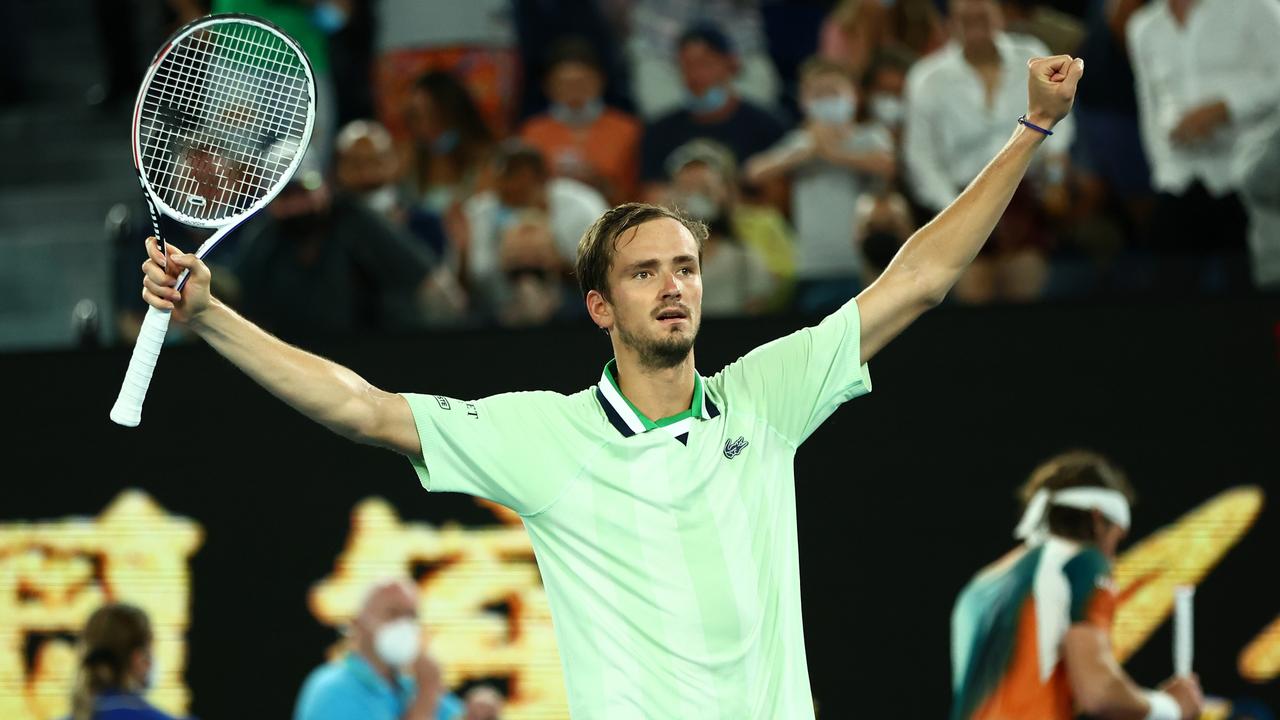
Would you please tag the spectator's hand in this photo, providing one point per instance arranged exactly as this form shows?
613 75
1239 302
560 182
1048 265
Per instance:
426 673
881 164
1186 690
1201 122
1051 88
160 276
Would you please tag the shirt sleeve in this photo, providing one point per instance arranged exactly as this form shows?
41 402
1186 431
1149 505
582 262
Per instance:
1093 598
797 381
1155 140
326 701
502 448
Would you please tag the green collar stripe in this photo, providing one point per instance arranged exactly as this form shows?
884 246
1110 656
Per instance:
696 408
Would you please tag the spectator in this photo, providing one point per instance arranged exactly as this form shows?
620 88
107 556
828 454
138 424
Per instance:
366 168
1110 166
735 280
369 682
1206 93
961 102
522 182
882 223
532 289
832 161
714 111
916 26
851 35
366 172
1260 188
657 36
310 24
883 86
451 142
315 264
116 668
579 135
473 41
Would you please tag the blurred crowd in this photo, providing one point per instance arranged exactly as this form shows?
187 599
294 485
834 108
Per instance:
383 671
462 149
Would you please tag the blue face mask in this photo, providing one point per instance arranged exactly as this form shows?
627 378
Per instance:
445 142
502 219
581 117
710 101
328 16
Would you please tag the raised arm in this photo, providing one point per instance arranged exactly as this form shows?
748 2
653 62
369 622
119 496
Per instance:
322 390
932 260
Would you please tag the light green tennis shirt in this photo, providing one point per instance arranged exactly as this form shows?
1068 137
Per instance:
667 549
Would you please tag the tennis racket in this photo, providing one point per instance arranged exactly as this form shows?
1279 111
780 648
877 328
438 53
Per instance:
221 123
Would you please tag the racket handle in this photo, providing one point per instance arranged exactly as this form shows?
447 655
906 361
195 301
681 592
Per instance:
128 408
1183 628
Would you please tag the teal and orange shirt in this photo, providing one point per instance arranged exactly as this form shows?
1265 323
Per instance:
1008 625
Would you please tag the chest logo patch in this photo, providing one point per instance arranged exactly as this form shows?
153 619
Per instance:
732 448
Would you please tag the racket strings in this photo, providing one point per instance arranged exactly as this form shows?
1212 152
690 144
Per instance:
223 118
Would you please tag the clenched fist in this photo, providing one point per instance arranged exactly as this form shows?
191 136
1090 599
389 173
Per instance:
1051 88
160 280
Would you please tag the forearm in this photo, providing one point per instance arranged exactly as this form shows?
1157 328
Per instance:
771 164
322 390
937 254
1120 699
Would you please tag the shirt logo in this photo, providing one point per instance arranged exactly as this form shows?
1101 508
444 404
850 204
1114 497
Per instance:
443 402
732 448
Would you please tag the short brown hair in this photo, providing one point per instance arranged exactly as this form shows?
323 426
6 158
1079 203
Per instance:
1077 468
600 242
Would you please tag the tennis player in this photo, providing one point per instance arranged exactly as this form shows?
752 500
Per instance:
660 503
1030 634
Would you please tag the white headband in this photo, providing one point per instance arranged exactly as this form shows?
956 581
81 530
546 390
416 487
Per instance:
1034 526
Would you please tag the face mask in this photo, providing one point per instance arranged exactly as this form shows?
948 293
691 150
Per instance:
888 109
503 216
328 16
585 115
398 642
380 201
836 110
710 101
700 207
149 680
445 142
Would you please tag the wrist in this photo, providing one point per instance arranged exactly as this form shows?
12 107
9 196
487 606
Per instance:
1162 706
200 322
1041 120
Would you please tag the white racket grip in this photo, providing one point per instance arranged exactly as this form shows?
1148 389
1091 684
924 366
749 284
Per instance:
1183 629
128 408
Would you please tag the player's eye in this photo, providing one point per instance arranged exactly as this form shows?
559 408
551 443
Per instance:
641 275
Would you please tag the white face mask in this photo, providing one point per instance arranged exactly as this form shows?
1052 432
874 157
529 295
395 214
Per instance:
398 642
888 109
833 110
700 207
382 200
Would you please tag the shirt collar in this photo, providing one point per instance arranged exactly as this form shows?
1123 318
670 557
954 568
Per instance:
630 421
364 672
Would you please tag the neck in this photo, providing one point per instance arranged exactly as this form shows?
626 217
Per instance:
984 54
1180 10
385 671
656 392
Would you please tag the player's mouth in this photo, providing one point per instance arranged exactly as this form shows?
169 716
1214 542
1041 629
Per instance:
673 316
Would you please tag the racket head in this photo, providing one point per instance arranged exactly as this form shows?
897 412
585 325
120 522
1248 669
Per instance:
223 119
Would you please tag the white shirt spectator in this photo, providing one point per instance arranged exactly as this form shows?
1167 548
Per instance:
1260 190
951 132
571 207
1227 51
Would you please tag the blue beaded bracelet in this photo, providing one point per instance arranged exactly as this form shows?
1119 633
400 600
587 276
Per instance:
1023 121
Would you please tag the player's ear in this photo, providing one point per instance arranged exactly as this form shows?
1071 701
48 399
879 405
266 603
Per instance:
600 309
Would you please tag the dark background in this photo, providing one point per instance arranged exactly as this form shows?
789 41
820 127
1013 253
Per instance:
902 495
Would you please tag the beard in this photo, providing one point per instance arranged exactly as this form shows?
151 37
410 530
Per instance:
661 352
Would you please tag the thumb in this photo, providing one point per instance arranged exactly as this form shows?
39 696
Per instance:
189 262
